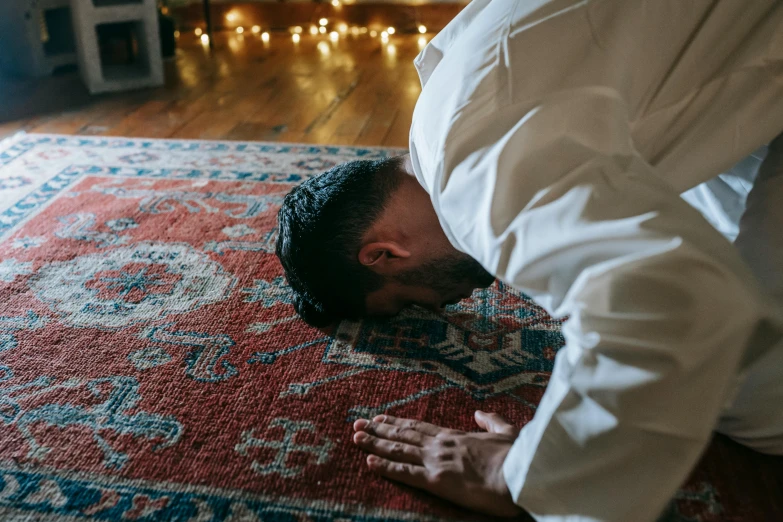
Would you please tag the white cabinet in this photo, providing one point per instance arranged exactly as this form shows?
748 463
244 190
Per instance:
136 22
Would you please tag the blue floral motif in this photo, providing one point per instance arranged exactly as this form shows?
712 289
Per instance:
28 242
10 268
315 164
127 282
13 182
149 357
118 225
139 157
238 230
269 293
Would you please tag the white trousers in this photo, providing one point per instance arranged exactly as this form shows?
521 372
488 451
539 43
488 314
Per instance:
746 205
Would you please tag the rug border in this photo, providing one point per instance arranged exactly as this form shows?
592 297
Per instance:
94 480
13 147
22 134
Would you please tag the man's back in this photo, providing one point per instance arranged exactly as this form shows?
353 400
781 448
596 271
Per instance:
690 74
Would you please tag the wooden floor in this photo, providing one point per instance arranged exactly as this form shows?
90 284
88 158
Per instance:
357 91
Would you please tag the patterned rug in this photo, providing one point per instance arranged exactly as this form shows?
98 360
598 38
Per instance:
152 366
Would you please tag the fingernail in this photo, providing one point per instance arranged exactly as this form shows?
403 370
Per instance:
360 424
372 459
380 418
360 436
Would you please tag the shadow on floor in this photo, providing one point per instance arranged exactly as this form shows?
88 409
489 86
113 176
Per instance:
27 98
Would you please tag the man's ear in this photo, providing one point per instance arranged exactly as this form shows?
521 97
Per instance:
383 257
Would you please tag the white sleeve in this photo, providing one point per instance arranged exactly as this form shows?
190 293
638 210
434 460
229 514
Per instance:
661 307
433 52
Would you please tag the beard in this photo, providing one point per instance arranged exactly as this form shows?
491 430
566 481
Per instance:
446 275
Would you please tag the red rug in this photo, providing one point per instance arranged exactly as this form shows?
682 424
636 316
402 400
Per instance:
152 367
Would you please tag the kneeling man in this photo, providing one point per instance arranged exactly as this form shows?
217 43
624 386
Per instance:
597 155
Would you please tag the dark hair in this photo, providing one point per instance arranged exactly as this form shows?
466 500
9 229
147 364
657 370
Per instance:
321 225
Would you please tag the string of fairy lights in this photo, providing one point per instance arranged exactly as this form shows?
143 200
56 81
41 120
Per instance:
332 28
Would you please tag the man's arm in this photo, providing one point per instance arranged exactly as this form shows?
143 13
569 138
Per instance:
661 306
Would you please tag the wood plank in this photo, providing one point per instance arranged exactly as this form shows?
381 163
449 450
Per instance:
100 113
377 125
399 130
352 92
10 128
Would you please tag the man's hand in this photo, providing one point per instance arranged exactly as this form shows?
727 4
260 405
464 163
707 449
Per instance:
464 468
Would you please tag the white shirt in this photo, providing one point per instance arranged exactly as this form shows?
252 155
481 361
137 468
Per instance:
555 138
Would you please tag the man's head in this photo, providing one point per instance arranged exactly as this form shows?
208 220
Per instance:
363 239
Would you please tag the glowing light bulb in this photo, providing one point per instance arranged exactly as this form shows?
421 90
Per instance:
422 41
297 29
256 29
336 3
322 30
334 35
265 36
385 36
422 29
205 38
391 49
355 31
231 17
323 47
363 30
343 28
313 29
323 21
176 34
295 37
240 30
198 31
373 33
390 30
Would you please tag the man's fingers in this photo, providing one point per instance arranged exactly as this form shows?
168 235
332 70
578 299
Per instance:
395 451
422 427
390 432
494 423
409 474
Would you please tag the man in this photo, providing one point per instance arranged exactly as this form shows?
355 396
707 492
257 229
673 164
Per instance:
549 148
